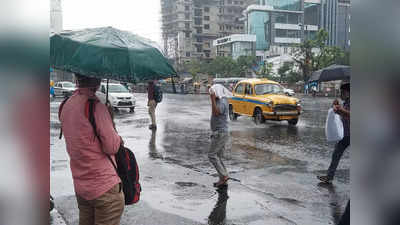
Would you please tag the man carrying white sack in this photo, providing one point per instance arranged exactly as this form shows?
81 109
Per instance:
219 126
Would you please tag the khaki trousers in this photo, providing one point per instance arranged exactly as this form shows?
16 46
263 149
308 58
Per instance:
105 210
152 104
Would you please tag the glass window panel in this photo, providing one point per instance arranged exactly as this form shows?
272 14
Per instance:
293 18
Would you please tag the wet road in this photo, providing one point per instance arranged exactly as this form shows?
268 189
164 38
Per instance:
276 165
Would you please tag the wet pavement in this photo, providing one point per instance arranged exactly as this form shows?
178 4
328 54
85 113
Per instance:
275 167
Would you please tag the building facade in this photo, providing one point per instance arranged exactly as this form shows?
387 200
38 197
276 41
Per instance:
279 24
343 24
238 44
335 19
56 19
190 26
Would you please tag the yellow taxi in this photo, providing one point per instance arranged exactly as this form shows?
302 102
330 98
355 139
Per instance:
263 99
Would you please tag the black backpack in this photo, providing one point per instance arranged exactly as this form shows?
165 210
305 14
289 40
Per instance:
158 94
126 168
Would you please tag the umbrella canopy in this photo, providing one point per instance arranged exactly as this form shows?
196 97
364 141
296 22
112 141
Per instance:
109 53
333 72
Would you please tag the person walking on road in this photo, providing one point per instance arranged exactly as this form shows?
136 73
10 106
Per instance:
97 185
341 146
219 128
152 104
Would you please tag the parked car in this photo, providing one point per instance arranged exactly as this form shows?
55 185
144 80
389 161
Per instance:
64 88
288 92
263 99
118 96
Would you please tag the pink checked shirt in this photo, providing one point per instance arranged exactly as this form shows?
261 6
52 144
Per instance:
92 171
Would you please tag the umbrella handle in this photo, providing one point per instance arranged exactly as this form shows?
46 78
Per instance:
107 92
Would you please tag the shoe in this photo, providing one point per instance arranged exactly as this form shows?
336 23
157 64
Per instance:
153 127
325 179
222 183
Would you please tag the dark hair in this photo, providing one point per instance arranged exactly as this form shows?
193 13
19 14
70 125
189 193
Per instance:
345 87
87 82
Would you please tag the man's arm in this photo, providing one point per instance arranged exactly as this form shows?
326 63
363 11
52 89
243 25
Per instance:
109 137
215 110
342 111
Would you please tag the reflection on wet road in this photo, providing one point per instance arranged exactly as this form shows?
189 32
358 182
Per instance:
275 165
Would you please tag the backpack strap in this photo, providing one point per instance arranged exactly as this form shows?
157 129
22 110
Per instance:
59 113
90 107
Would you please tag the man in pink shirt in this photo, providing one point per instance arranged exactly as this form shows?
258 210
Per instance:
97 185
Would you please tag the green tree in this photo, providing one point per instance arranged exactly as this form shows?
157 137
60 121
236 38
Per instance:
266 70
283 71
223 66
244 64
194 67
314 54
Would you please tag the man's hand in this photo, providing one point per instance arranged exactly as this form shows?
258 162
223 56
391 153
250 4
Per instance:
337 108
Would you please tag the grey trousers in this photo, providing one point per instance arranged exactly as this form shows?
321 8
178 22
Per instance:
340 147
216 151
152 104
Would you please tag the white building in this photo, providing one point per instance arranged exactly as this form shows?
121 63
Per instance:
239 44
56 18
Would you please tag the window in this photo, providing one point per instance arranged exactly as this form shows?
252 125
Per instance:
206 26
187 25
236 2
197 12
199 30
229 1
262 89
241 2
239 89
207 18
206 9
281 18
248 90
197 21
187 35
187 54
186 8
293 18
281 33
187 16
207 55
208 45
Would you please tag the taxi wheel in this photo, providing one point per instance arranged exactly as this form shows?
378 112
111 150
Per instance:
258 117
293 122
232 115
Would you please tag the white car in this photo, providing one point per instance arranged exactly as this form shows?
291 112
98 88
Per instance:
64 88
118 96
288 92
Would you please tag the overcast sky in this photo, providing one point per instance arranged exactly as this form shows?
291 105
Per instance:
141 17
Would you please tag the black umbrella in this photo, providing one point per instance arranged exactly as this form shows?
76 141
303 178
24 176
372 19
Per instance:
333 72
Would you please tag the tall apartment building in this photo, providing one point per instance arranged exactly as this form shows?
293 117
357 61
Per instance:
343 30
190 26
336 20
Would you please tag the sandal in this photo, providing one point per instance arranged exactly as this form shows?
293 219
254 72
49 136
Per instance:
325 179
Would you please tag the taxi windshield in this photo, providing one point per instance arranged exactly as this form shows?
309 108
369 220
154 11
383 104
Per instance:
263 89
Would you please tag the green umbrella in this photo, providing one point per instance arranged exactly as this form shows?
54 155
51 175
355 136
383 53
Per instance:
109 53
